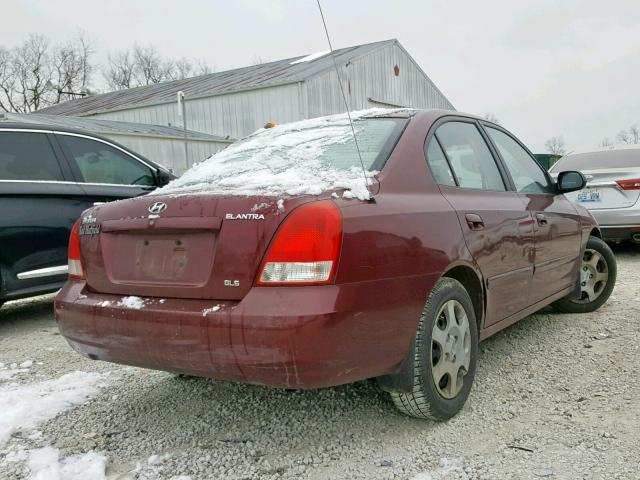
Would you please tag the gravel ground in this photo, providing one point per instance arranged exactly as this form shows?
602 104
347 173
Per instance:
556 396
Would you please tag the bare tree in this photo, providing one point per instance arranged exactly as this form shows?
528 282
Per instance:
555 145
35 74
634 133
606 143
623 137
144 66
490 117
72 68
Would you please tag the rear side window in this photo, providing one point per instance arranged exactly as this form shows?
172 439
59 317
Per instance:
27 156
101 163
439 165
527 175
472 162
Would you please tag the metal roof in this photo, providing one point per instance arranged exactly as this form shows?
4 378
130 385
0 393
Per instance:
96 125
256 76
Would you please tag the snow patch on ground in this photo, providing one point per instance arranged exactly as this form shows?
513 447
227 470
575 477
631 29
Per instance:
206 311
301 158
23 407
281 205
133 302
45 464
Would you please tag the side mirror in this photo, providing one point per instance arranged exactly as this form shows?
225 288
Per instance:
163 178
570 181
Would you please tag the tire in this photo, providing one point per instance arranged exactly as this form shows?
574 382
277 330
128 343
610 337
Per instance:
441 401
598 262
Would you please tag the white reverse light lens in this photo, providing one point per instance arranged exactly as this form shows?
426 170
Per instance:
296 272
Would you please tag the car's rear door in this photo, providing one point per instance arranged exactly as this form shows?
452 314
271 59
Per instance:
557 223
40 202
497 228
105 171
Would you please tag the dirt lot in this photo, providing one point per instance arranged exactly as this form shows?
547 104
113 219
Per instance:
556 396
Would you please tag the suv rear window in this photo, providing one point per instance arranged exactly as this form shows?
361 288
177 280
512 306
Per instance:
27 156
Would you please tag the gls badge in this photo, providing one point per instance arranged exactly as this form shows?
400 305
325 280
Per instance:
232 283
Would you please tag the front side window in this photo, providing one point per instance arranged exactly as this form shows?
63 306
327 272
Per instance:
527 176
101 163
472 162
27 156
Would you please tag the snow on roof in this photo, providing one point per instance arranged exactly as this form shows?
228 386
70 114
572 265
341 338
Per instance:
286 160
310 58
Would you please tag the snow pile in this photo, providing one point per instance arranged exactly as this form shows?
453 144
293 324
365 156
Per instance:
45 464
448 468
133 302
301 158
23 407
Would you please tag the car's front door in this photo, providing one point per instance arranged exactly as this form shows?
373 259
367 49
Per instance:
497 228
105 171
557 223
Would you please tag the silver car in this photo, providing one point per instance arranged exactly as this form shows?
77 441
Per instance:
612 191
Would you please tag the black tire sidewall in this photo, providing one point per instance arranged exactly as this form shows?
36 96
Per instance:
446 289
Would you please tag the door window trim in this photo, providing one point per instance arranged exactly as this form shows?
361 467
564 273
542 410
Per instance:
484 125
506 178
72 163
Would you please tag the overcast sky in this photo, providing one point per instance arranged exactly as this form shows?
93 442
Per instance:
542 68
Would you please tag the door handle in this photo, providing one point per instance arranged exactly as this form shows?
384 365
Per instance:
541 219
474 221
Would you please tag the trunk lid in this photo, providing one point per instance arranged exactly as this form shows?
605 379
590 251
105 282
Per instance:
198 246
602 191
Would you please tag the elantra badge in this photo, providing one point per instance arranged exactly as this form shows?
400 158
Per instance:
157 208
244 216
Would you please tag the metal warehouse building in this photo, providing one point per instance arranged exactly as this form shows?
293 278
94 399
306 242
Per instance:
237 102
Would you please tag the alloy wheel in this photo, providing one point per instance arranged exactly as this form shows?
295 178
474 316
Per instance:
450 349
594 274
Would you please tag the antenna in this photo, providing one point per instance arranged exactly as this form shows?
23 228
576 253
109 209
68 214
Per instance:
344 97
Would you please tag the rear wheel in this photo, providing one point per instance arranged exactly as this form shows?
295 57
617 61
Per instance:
597 278
446 352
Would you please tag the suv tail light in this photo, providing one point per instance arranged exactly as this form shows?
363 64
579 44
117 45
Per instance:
75 264
305 248
633 184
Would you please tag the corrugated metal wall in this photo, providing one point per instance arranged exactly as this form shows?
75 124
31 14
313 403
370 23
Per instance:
233 114
370 81
169 151
373 77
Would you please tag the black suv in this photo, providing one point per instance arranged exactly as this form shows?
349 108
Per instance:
47 178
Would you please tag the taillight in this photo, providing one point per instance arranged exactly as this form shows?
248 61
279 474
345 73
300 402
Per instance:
75 264
306 248
633 184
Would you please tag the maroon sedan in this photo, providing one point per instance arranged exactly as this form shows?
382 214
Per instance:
281 261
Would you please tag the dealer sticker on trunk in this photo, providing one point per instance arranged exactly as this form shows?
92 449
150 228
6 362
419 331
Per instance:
89 226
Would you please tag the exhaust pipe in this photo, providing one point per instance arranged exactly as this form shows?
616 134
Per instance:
636 237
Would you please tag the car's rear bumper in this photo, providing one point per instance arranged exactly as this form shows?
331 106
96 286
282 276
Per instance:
618 224
292 337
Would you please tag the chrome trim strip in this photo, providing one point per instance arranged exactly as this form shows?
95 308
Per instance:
63 182
44 272
89 137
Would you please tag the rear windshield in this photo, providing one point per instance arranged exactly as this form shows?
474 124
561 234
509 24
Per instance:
306 157
592 160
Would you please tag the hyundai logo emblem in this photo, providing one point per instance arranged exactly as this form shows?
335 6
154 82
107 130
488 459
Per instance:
157 208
